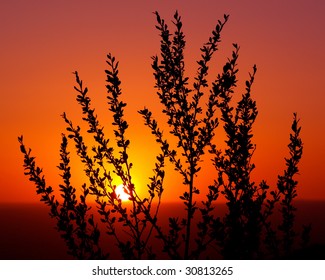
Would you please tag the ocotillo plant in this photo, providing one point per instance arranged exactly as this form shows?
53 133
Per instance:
244 232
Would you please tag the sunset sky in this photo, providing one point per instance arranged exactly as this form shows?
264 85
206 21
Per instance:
43 42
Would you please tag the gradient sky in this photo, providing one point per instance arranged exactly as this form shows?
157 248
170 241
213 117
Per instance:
43 42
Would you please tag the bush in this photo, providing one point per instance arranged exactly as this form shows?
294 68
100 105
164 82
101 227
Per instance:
244 232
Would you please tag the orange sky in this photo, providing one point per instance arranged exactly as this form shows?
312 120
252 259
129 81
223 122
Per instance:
43 42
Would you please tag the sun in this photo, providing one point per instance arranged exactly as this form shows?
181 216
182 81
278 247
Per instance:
121 193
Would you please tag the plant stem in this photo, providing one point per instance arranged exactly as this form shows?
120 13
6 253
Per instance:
189 216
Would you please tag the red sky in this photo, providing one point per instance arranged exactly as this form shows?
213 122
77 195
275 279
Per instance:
43 42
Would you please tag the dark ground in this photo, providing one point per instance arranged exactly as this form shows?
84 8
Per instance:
27 231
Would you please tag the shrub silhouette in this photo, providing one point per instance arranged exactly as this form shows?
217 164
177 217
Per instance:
244 232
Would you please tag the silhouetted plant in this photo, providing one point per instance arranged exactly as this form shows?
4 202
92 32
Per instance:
244 232
78 229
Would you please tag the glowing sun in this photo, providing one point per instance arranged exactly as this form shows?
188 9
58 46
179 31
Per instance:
120 192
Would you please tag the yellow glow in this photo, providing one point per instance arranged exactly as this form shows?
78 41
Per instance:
120 192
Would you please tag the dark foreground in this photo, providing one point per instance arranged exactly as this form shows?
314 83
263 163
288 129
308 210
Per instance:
27 232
